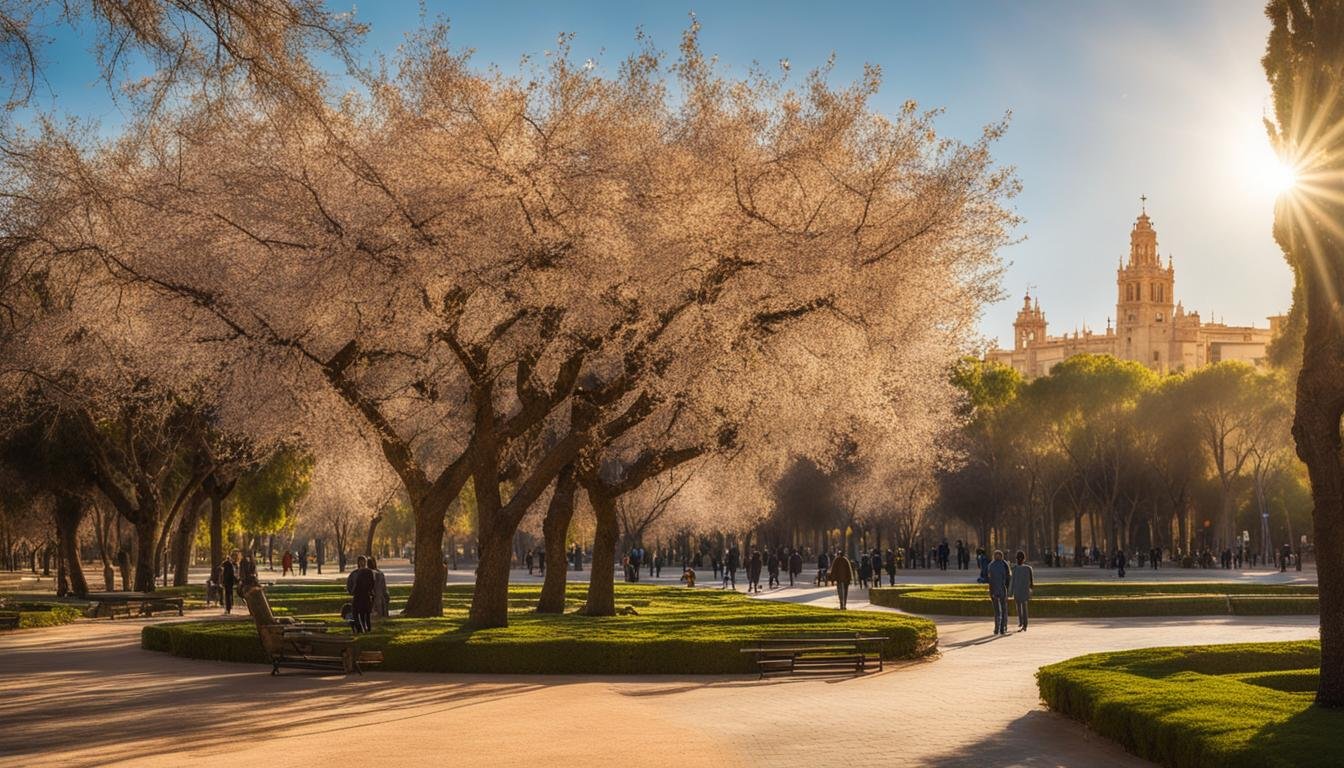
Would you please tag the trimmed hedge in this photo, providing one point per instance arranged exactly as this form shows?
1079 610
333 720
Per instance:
677 631
1215 706
1104 600
34 615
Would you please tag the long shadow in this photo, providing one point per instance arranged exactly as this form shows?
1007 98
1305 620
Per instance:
1038 739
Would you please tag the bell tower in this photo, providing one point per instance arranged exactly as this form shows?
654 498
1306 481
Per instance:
1029 327
1144 303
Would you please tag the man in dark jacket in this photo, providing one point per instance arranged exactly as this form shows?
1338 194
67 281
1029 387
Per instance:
842 572
360 584
734 561
795 565
772 567
228 579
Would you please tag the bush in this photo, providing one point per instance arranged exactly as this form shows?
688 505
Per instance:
1118 599
678 631
33 615
1229 706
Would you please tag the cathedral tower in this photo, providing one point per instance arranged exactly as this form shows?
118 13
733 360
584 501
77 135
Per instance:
1143 306
1029 327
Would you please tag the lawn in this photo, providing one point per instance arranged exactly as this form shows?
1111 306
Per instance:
1111 599
675 631
1217 706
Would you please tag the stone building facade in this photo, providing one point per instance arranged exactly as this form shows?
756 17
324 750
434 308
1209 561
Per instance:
1150 326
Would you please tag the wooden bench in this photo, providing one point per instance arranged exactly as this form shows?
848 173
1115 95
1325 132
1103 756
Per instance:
9 620
127 604
819 655
304 645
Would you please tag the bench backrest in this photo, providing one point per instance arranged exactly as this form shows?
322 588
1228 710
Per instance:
272 636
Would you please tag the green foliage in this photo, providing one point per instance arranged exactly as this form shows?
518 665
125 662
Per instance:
1216 706
264 499
32 615
1093 600
676 631
987 384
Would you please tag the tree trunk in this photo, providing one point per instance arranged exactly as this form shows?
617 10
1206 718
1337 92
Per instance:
554 529
373 526
490 599
216 530
1316 429
184 538
69 513
602 576
146 539
426 598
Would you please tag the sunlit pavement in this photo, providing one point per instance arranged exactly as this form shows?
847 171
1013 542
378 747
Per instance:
85 695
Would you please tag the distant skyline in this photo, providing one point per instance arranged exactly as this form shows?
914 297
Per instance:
1109 102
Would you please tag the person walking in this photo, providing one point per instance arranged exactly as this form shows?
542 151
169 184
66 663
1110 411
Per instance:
303 559
754 572
998 575
1023 580
1120 561
772 567
247 573
541 561
891 567
360 585
731 563
795 565
228 579
530 561
842 572
382 600
982 562
823 569
286 563
943 552
865 570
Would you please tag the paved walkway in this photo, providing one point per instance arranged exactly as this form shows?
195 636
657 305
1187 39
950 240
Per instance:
85 695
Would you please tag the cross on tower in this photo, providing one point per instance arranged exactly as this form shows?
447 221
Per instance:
1143 203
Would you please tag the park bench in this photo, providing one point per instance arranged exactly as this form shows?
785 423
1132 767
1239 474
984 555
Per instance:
817 655
304 645
127 604
9 620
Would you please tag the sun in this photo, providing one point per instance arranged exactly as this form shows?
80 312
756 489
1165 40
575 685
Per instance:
1279 177
1267 172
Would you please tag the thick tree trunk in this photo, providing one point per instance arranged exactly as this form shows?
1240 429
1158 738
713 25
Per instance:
69 513
602 578
426 598
554 529
490 599
184 539
146 539
1316 428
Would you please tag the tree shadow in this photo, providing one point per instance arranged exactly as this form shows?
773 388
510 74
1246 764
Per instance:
1023 742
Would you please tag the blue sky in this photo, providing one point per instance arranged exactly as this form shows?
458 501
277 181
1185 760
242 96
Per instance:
1109 101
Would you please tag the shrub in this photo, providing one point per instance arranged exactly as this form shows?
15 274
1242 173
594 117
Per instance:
679 631
1230 706
1117 599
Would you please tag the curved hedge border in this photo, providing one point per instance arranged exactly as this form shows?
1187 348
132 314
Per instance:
1214 706
679 632
1069 600
34 615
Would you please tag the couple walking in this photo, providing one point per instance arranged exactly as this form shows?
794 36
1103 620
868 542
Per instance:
1016 580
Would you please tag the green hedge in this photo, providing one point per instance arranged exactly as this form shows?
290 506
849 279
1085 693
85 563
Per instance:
1101 600
1220 706
33 615
678 631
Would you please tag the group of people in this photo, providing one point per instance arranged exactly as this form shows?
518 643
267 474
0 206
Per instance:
235 573
367 587
294 563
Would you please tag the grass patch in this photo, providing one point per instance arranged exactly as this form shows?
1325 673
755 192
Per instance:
1223 706
1115 599
37 614
676 631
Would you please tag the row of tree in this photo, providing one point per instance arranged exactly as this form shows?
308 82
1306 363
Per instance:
519 289
1104 454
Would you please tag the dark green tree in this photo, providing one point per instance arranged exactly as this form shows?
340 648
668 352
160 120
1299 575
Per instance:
1304 62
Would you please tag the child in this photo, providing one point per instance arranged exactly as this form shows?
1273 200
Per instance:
688 576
